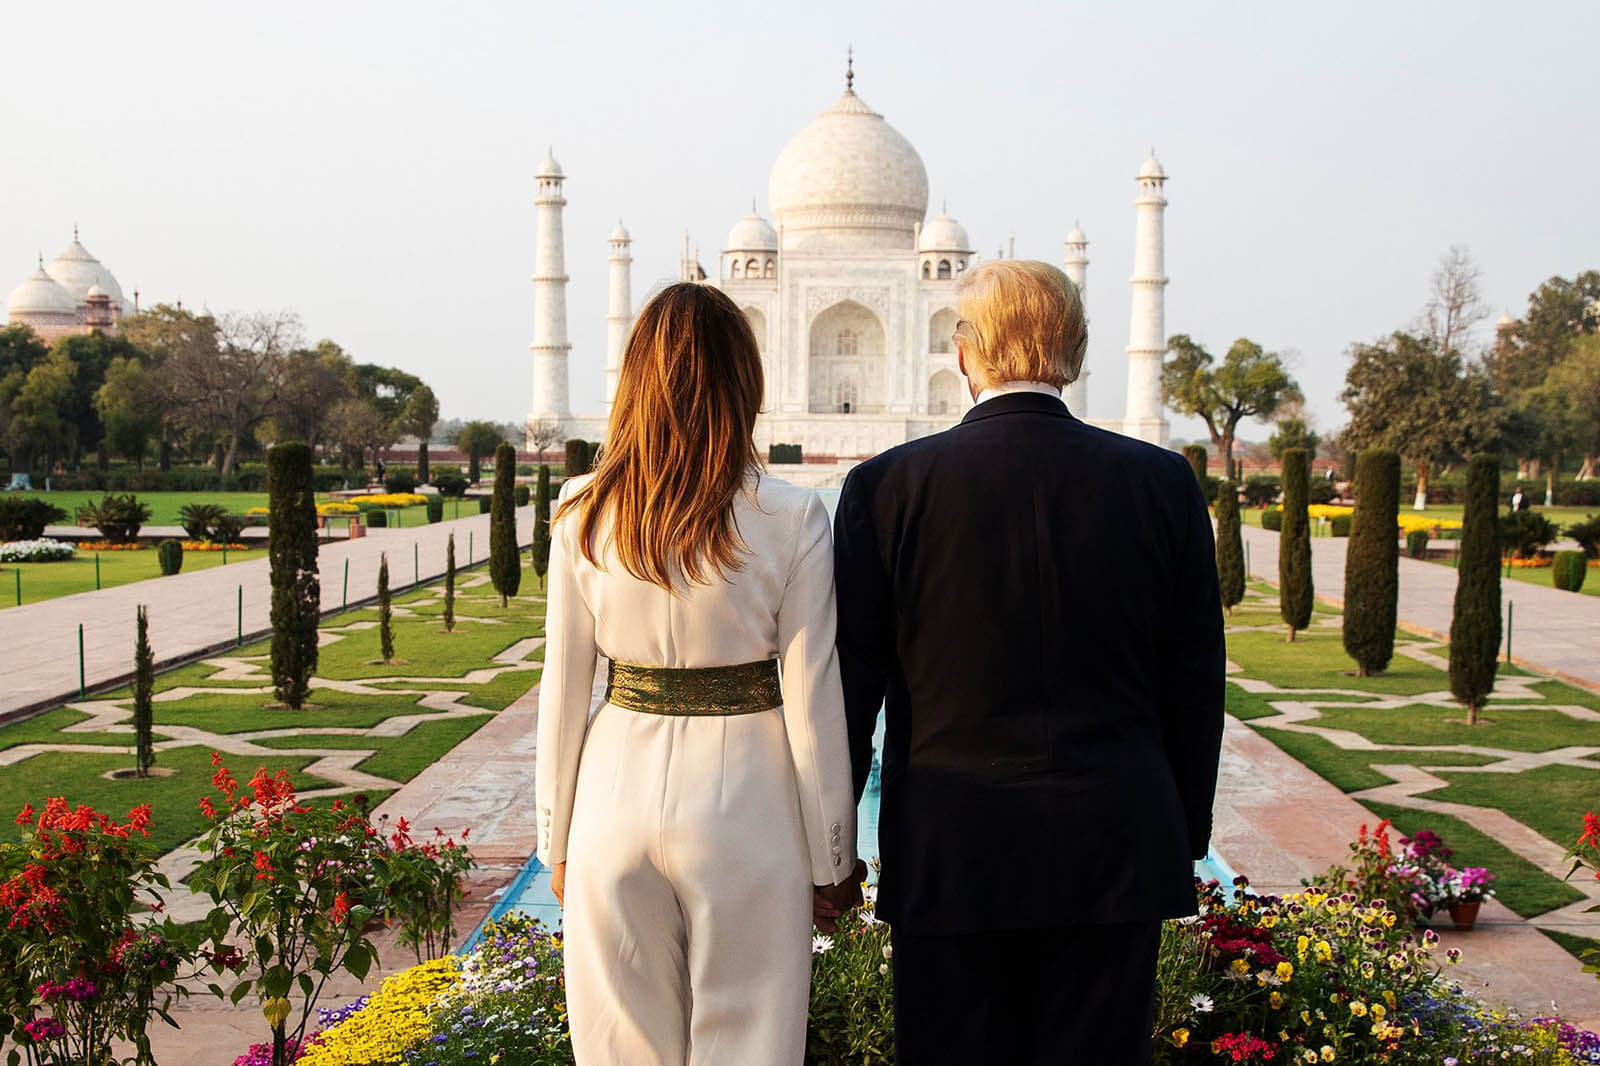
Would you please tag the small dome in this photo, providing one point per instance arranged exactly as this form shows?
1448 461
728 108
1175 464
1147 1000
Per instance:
1506 322
752 233
94 291
77 271
944 234
1076 236
550 168
40 294
620 233
1152 168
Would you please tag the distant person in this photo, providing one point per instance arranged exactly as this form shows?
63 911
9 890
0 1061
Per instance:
381 469
1053 723
700 820
1519 502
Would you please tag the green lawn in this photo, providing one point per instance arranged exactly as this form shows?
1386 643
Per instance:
165 506
1351 771
1561 516
1551 800
437 662
46 581
1317 659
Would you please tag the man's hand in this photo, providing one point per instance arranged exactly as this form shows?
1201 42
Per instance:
829 903
558 883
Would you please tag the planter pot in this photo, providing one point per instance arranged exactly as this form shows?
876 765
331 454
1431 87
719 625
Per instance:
357 530
1464 915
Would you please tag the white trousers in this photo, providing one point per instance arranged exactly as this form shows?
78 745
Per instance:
688 902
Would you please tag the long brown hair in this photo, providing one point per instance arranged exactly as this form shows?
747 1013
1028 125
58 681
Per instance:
681 440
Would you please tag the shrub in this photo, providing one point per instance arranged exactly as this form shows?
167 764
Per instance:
449 483
1294 546
1417 543
24 517
397 481
1321 490
1578 494
1525 533
35 551
229 526
292 556
385 610
117 517
199 519
1475 621
1261 489
520 494
1196 454
1568 570
1587 534
435 509
170 554
1272 518
1339 525
785 454
450 584
484 504
377 519
144 682
541 525
505 561
1230 545
1372 562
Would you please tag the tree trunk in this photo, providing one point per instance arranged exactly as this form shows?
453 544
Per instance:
1420 503
1550 480
164 455
233 452
1225 446
1587 470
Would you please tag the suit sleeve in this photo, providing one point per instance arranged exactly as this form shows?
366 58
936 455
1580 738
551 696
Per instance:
813 703
566 691
1195 665
866 621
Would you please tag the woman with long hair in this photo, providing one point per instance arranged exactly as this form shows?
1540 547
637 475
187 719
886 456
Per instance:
696 818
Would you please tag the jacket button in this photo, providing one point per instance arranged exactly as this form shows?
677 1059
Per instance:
838 861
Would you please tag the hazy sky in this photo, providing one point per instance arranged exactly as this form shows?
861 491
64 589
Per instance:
370 166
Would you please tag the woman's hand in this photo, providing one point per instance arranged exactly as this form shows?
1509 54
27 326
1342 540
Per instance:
558 883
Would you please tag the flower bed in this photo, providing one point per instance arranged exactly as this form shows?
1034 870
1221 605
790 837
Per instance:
337 507
389 499
113 546
212 546
34 551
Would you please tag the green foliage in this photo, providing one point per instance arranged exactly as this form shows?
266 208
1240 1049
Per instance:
485 504
1417 543
170 553
450 584
1230 545
1372 562
144 680
541 525
850 1021
296 588
376 519
1525 533
24 517
1568 570
199 519
577 461
1294 545
385 611
435 507
399 481
1339 525
1272 519
1249 383
478 439
1587 534
505 561
520 494
785 454
118 518
450 483
1291 433
1261 489
1196 454
1475 624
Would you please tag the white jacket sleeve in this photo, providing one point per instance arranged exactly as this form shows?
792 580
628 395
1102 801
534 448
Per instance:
566 691
813 701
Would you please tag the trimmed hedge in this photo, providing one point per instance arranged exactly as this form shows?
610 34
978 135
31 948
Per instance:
785 454
24 517
1294 545
1230 545
1568 570
292 554
1417 543
170 554
435 509
1196 454
1372 562
1272 518
1475 621
1261 489
450 483
376 519
1339 525
520 494
505 561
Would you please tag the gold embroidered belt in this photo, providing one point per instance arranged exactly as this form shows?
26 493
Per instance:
701 690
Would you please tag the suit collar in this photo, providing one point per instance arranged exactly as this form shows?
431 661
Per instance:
1018 403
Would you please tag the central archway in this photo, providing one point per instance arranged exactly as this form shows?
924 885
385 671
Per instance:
848 359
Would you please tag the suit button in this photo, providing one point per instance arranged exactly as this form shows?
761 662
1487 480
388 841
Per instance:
835 828
838 861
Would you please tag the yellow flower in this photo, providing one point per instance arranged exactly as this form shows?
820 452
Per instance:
1285 970
1276 999
1327 1053
1388 919
1179 1037
1389 998
1305 1017
1309 1056
1324 951
1358 1008
1302 944
1378 1011
1241 967
394 1019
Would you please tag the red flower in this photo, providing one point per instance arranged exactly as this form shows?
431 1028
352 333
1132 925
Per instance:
1591 829
341 908
26 815
263 866
207 808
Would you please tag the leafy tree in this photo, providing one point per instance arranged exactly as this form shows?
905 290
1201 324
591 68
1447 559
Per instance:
292 555
1295 591
1559 312
359 426
92 355
450 584
388 388
1405 395
20 350
1545 423
505 561
129 406
35 414
1577 378
385 610
1292 433
144 682
1230 545
1250 383
1372 563
1475 623
315 381
541 524
478 439
418 418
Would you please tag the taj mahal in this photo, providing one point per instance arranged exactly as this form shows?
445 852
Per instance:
849 289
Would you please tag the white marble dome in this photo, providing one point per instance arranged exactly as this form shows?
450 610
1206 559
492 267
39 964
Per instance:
944 234
848 180
752 233
1076 236
620 233
77 271
1152 168
40 294
550 168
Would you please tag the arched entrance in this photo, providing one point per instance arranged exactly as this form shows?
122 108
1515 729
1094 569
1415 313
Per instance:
848 354
944 393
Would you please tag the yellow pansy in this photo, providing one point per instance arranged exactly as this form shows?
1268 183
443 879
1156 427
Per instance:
1179 1037
1285 970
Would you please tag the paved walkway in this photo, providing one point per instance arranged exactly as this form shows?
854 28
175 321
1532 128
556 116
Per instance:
200 611
1555 632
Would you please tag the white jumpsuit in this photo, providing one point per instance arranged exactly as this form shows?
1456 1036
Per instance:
692 843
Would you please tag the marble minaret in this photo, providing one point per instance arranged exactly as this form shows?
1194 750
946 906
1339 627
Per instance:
551 398
1147 337
1077 268
619 316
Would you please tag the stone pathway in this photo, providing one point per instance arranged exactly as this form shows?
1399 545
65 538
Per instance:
199 612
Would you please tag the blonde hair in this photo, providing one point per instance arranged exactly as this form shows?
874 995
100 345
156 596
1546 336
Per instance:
1021 320
680 443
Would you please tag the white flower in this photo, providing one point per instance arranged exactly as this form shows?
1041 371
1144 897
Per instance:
869 919
820 944
1201 1003
888 951
883 968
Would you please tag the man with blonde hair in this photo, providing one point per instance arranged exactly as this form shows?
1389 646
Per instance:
1034 604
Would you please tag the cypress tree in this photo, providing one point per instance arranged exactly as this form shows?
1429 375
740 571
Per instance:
292 551
144 681
385 610
1475 624
505 561
1294 543
450 584
1230 545
1372 563
1196 454
577 458
541 525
